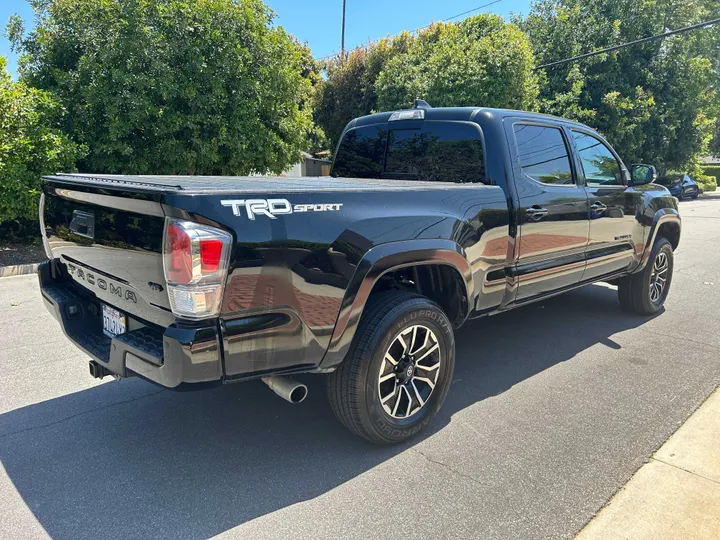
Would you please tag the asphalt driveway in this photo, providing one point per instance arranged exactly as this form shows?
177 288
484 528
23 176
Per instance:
552 409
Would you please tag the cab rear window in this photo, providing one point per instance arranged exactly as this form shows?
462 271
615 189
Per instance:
361 153
435 152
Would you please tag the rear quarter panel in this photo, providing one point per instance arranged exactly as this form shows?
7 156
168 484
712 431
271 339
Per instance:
289 275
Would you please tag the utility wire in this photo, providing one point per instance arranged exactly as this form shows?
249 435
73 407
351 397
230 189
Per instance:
429 25
463 13
637 41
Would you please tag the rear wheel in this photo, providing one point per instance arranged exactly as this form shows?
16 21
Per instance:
398 371
646 291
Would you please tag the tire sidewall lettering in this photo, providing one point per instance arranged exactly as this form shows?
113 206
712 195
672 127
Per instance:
440 324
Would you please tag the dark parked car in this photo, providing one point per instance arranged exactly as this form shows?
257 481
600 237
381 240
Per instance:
433 217
680 186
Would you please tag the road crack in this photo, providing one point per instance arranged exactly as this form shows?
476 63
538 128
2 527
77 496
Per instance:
82 413
448 467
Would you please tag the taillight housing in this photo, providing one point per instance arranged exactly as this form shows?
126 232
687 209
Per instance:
195 260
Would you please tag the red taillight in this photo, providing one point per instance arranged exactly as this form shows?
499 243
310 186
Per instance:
196 259
210 252
180 268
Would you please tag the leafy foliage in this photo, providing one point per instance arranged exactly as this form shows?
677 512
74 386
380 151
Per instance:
479 62
30 146
708 176
711 170
172 86
656 102
706 183
715 141
349 90
212 87
311 69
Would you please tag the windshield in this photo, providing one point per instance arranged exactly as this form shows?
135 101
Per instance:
668 180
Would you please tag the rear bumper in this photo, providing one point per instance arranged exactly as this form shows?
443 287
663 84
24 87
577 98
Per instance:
167 356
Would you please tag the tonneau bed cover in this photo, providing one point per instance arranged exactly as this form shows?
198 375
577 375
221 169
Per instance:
243 184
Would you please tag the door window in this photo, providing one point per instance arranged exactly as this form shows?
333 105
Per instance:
543 154
599 164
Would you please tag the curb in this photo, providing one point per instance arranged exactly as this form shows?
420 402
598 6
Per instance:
18 270
676 493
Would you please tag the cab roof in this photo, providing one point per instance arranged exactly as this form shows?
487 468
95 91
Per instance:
462 114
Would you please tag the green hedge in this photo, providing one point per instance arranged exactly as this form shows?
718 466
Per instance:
711 177
712 170
706 183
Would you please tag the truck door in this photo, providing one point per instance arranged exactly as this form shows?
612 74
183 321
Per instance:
614 230
553 215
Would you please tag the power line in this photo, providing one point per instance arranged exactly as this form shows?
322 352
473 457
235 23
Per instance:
637 41
463 13
418 29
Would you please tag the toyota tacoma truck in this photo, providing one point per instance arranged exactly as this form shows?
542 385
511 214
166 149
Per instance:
431 217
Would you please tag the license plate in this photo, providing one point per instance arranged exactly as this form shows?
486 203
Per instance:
113 321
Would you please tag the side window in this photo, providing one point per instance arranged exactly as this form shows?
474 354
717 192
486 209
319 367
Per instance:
360 154
437 152
543 154
598 162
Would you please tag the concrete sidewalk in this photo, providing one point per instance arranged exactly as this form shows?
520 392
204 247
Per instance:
676 494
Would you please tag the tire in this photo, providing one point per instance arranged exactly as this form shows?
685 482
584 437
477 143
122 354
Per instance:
354 388
638 292
695 195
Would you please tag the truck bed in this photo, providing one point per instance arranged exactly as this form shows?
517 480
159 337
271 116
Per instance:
246 184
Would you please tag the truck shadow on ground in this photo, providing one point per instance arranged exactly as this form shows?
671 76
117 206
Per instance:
130 460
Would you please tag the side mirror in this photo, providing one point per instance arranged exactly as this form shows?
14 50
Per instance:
641 174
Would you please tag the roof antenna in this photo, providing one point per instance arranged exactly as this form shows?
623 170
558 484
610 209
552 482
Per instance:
421 104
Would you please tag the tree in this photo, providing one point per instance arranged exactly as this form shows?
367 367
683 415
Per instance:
349 90
656 102
482 61
171 86
311 69
30 146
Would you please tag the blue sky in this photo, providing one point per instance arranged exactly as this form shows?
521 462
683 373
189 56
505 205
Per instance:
318 21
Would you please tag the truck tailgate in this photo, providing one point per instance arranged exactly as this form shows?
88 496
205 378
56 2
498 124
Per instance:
111 244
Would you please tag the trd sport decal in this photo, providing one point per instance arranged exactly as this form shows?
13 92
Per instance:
273 208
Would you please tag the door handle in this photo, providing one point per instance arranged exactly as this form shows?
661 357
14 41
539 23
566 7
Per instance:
536 213
598 207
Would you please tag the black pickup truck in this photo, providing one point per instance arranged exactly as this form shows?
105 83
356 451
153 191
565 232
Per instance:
431 217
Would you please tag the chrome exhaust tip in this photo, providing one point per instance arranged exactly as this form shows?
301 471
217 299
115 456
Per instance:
287 388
